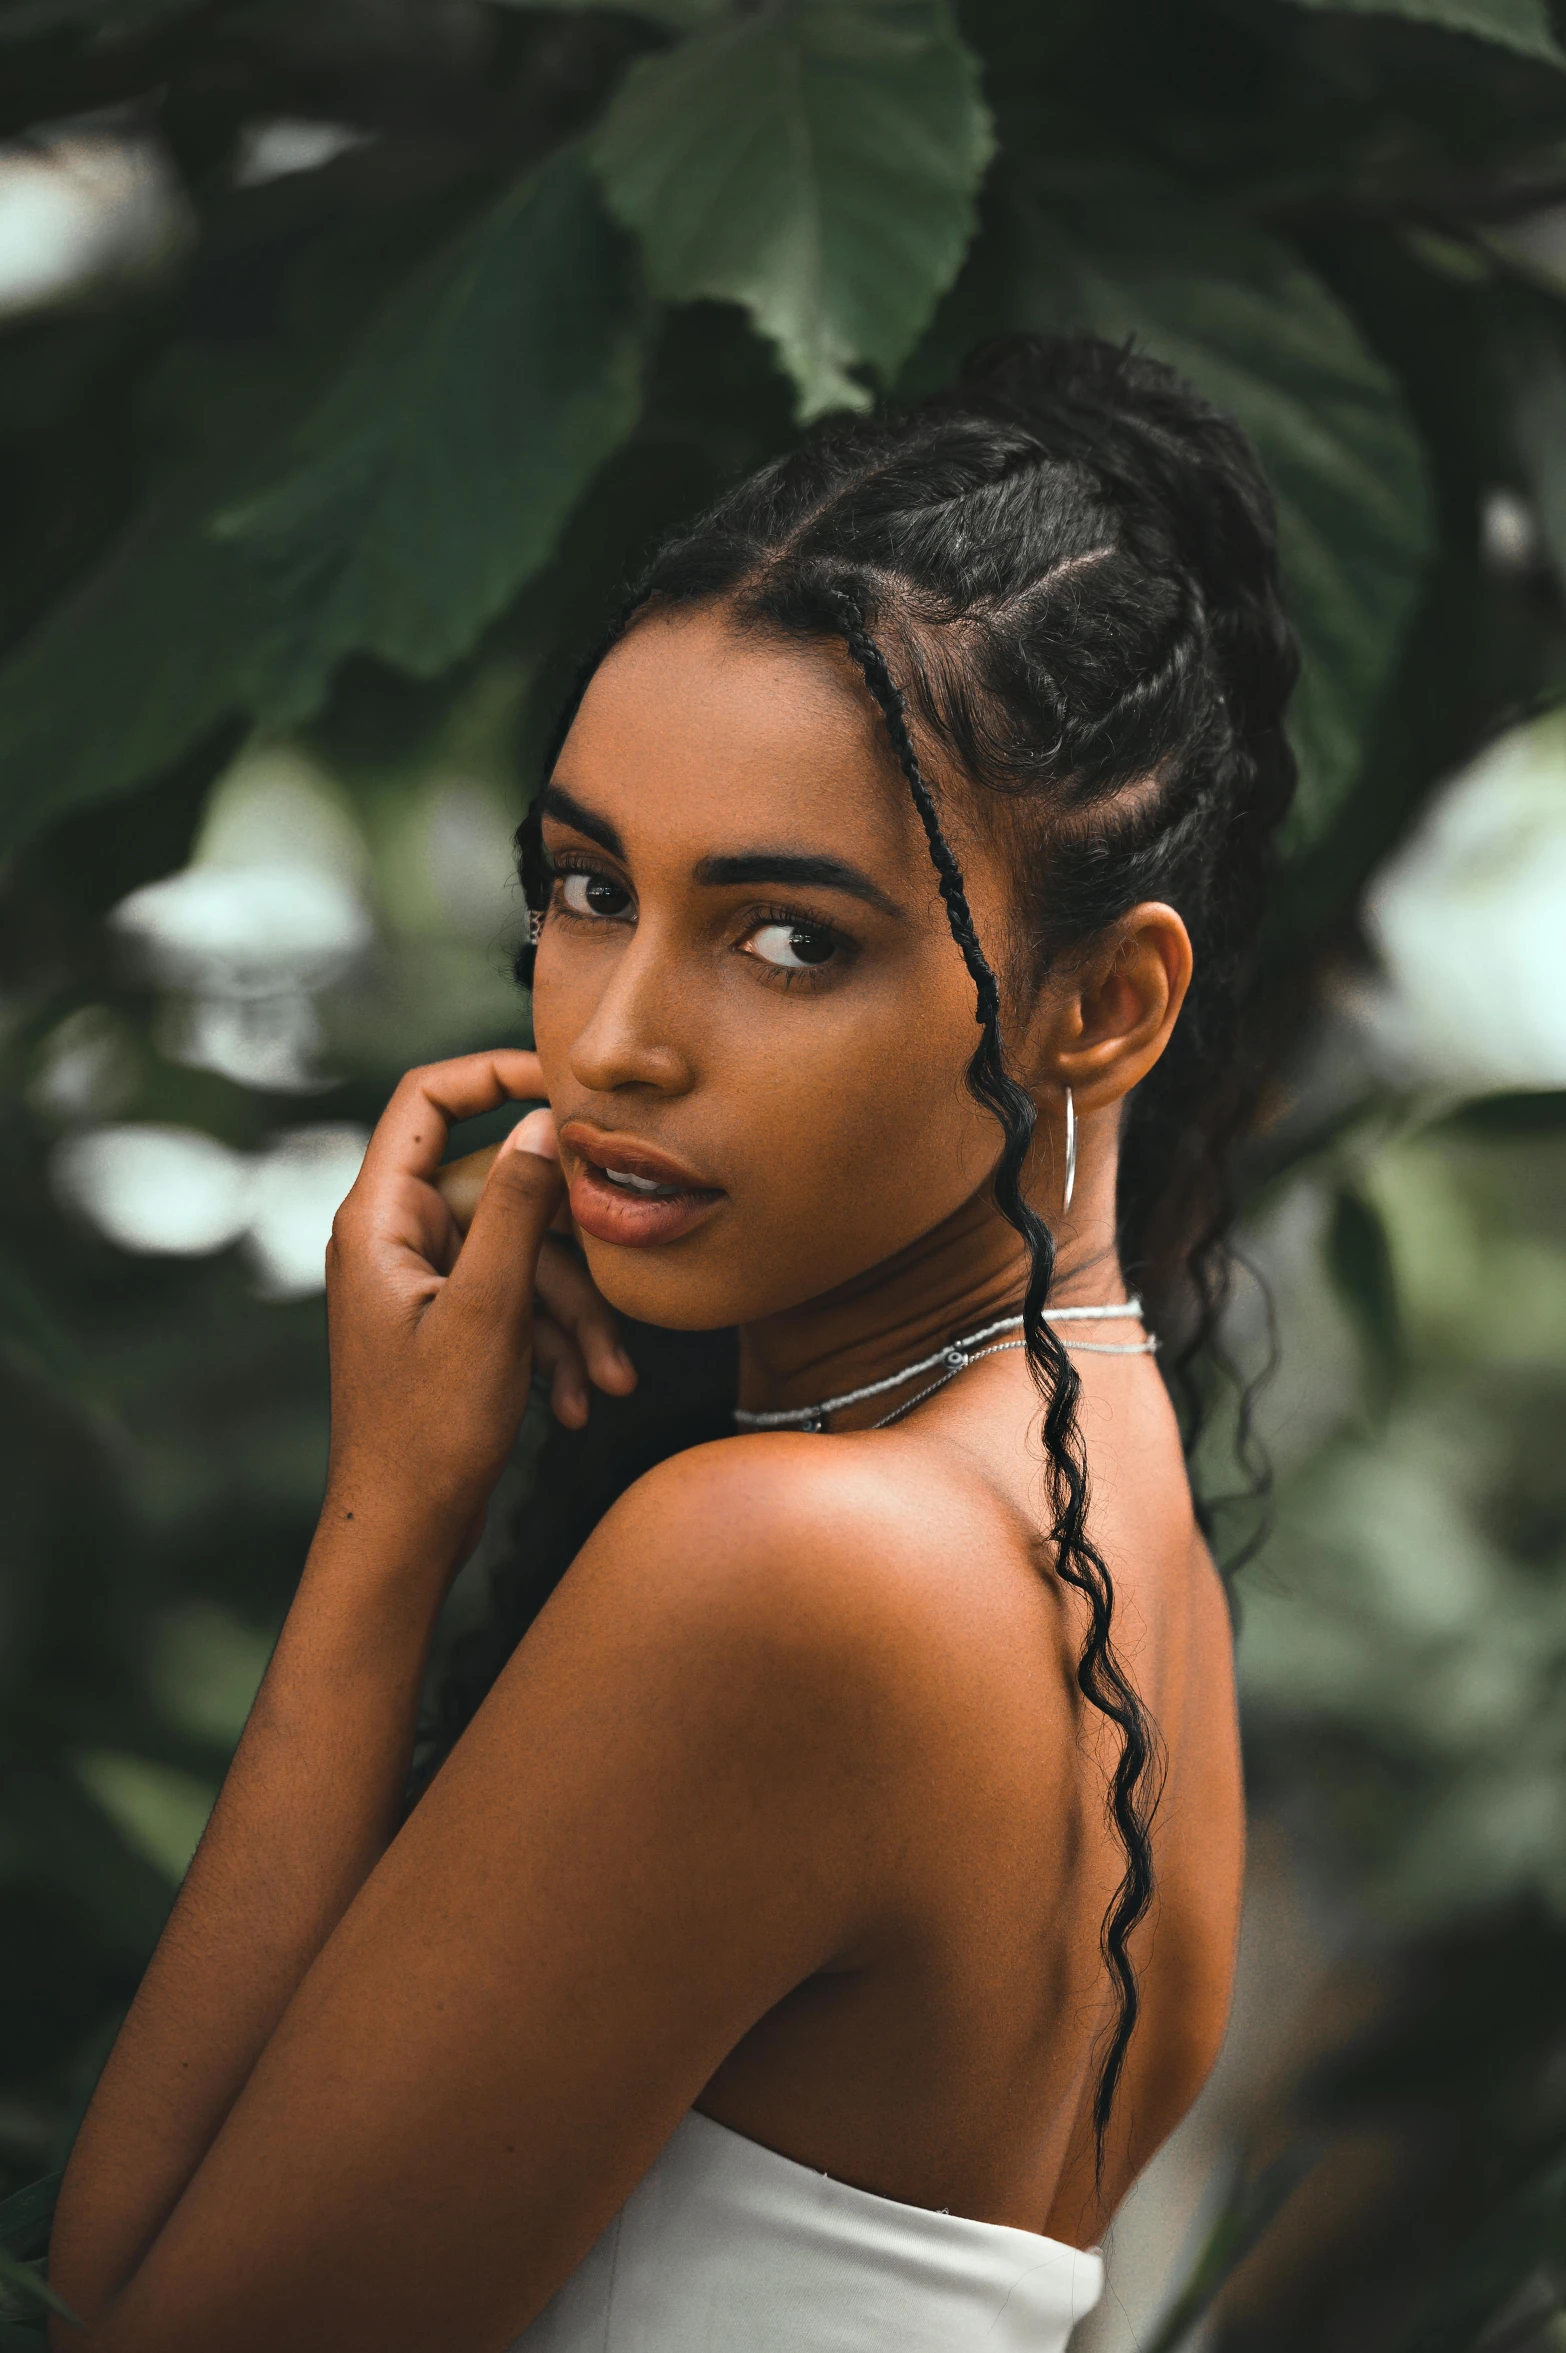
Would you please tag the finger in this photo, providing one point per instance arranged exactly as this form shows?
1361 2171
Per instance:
460 1182
558 1360
570 1399
498 1265
411 1133
574 1301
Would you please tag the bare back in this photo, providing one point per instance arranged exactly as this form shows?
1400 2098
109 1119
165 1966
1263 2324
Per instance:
953 2064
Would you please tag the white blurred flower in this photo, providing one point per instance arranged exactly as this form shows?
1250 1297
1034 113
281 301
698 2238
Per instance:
244 949
169 1190
175 1192
278 807
270 1041
295 1192
87 1067
267 915
290 143
1509 535
242 929
80 207
1469 922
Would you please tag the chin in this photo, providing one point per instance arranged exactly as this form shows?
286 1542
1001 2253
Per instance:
683 1287
653 1287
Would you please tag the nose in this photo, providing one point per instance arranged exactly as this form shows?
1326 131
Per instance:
628 1040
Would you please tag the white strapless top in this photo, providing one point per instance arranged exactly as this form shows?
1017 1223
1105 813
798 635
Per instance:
726 2247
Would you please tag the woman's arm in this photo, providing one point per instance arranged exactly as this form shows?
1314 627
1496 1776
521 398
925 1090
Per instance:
430 1366
686 1794
307 1809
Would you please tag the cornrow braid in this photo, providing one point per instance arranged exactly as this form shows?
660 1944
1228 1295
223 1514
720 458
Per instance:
1077 1560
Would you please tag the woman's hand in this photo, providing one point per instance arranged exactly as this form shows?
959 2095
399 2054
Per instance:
436 1333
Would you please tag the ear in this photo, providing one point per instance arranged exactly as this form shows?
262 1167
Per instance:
1106 1020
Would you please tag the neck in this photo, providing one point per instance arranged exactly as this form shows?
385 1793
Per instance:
968 1271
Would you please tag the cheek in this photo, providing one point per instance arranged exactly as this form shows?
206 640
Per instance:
877 1132
841 1127
552 1027
842 1142
568 987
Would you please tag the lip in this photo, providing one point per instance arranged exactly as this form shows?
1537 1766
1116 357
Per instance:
635 1222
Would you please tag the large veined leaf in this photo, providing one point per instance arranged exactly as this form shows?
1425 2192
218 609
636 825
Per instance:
1516 24
434 478
1131 256
169 632
159 644
815 161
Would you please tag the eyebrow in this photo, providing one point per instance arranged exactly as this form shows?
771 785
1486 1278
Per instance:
554 801
802 868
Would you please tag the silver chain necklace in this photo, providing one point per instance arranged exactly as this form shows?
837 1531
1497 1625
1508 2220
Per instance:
955 1358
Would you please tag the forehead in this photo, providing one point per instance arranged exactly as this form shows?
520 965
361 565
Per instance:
694 732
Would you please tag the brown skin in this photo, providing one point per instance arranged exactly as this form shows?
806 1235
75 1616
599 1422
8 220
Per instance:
786 1806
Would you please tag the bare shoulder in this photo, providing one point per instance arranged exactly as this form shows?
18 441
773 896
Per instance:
801 1567
750 1660
855 1528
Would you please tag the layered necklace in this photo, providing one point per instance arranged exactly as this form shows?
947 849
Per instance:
955 1358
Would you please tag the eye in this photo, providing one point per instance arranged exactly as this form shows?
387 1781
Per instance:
592 894
793 947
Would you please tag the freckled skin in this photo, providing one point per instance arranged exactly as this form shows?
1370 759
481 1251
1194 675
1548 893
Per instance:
786 1806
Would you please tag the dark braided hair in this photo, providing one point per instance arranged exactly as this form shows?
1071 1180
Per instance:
1062 572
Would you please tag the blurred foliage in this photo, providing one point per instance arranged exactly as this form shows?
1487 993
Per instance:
310 512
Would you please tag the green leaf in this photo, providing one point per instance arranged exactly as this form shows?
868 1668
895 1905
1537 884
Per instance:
151 651
166 636
676 16
26 2215
1515 24
28 2289
159 1811
1129 255
815 161
434 477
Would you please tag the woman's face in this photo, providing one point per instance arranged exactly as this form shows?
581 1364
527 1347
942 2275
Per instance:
753 1020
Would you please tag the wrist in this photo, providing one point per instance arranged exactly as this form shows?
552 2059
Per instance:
398 1529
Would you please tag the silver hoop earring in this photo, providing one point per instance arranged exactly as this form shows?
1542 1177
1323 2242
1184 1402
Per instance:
1071 1153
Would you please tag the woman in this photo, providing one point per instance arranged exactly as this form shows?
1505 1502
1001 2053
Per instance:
832 1904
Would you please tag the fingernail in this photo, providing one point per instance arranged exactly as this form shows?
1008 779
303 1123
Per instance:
535 1134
